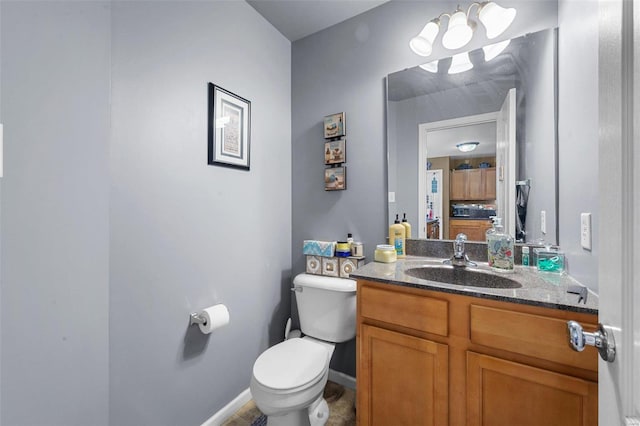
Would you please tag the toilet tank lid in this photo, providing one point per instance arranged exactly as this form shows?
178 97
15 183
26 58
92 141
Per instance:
326 283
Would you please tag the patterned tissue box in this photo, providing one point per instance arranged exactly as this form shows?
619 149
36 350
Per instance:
319 248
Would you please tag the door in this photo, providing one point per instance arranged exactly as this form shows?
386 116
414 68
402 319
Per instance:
619 180
405 379
501 392
506 162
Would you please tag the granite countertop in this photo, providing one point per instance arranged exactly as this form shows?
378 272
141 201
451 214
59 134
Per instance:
547 290
469 218
433 220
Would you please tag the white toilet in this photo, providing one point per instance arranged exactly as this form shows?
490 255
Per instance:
289 378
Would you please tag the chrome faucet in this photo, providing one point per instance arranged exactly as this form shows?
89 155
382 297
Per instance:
459 257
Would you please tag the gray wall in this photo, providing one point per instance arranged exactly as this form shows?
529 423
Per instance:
114 228
538 139
185 235
342 69
578 133
55 216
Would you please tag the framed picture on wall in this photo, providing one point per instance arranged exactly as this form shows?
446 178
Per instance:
335 152
229 129
334 125
335 179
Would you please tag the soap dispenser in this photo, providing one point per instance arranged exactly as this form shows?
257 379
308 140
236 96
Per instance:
397 237
407 226
500 248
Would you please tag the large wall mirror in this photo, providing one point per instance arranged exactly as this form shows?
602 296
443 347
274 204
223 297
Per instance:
467 145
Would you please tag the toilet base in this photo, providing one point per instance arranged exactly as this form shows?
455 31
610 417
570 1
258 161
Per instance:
316 414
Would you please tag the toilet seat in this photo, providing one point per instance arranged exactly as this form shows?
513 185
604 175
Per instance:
291 364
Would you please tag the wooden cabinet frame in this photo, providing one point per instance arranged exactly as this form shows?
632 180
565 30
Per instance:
505 337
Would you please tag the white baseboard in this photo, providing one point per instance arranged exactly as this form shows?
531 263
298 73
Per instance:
229 410
342 379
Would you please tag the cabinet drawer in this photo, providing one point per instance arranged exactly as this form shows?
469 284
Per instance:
531 335
407 310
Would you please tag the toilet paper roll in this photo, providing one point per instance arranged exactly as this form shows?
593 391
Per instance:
217 316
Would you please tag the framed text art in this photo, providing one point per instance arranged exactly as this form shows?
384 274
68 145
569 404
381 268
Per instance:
229 129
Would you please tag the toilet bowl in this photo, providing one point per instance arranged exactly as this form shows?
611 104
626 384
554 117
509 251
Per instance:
288 379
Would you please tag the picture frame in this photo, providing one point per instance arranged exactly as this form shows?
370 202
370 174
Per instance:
334 125
229 129
335 152
335 179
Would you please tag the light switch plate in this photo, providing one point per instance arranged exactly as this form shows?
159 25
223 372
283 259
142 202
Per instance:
585 230
392 197
543 221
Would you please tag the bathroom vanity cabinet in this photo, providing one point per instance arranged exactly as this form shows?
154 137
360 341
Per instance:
473 184
434 358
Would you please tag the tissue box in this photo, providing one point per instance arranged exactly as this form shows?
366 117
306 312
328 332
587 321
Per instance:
319 248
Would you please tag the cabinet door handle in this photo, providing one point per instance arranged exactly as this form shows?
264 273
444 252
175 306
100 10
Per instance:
602 339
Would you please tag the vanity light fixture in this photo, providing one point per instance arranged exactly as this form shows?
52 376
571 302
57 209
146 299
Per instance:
460 63
467 146
495 19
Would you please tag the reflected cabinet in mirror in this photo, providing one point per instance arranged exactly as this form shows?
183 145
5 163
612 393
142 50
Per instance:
467 145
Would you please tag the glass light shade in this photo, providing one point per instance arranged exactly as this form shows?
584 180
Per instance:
422 44
430 66
496 19
460 63
458 33
493 50
467 146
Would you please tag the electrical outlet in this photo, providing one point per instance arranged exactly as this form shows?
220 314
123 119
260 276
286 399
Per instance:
392 197
543 221
585 230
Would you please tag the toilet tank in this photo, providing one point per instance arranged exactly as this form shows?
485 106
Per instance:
326 307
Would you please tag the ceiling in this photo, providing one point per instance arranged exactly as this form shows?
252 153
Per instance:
296 19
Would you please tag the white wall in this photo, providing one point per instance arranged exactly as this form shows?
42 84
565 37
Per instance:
578 134
55 235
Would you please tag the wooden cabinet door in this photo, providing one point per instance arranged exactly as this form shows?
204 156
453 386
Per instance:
489 184
458 185
475 185
501 392
402 379
475 230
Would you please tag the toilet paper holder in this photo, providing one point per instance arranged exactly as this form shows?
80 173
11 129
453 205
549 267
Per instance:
197 318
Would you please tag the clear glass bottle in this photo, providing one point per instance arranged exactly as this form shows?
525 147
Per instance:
500 248
490 231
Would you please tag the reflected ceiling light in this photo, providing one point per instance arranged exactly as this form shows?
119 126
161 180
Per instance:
460 63
430 66
496 20
493 50
467 146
